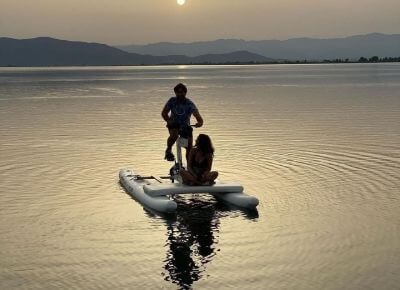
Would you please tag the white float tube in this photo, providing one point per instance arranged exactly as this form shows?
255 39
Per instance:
238 199
135 189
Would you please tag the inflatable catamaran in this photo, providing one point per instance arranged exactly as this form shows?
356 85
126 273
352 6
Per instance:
156 192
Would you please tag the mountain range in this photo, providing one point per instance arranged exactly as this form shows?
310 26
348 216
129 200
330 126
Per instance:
45 51
352 47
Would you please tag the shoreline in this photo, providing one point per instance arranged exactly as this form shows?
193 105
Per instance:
213 64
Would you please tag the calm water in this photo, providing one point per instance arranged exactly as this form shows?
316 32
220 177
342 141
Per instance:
319 145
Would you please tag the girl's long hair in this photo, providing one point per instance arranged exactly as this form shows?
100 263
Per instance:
204 144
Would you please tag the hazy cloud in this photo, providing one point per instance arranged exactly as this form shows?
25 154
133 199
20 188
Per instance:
142 21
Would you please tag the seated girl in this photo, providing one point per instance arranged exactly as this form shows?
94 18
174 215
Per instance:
199 163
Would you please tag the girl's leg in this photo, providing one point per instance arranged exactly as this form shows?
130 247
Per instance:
188 178
211 177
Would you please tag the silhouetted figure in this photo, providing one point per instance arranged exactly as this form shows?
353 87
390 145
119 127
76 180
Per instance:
199 163
178 122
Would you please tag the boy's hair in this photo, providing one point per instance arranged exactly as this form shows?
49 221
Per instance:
180 86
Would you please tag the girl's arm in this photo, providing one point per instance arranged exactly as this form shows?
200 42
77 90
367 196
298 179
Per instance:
190 161
209 165
209 162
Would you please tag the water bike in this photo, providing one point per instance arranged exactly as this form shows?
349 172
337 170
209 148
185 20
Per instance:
156 192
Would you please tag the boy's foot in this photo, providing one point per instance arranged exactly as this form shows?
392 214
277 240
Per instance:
169 156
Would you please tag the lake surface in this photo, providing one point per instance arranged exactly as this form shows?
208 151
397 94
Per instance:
319 145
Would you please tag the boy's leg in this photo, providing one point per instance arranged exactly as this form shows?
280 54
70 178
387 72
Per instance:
173 136
187 133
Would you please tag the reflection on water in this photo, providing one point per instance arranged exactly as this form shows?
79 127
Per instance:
192 241
193 236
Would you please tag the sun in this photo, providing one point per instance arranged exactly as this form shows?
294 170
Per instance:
181 2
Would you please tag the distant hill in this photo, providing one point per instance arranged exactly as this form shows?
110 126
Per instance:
351 47
44 51
236 56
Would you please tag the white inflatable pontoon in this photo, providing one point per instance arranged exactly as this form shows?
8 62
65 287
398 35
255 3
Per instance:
154 192
134 184
179 188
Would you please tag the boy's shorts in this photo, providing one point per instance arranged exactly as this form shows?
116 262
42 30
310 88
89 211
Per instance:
185 131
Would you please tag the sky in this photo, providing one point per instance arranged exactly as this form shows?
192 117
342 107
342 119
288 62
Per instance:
118 22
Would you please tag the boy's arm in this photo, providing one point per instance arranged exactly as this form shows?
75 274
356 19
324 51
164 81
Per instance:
165 113
199 119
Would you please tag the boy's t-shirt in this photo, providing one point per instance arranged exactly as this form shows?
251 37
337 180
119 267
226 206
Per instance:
181 111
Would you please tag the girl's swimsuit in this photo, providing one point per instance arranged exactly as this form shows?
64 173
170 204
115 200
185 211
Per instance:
199 167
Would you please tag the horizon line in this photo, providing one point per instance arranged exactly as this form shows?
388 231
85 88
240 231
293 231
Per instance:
203 41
